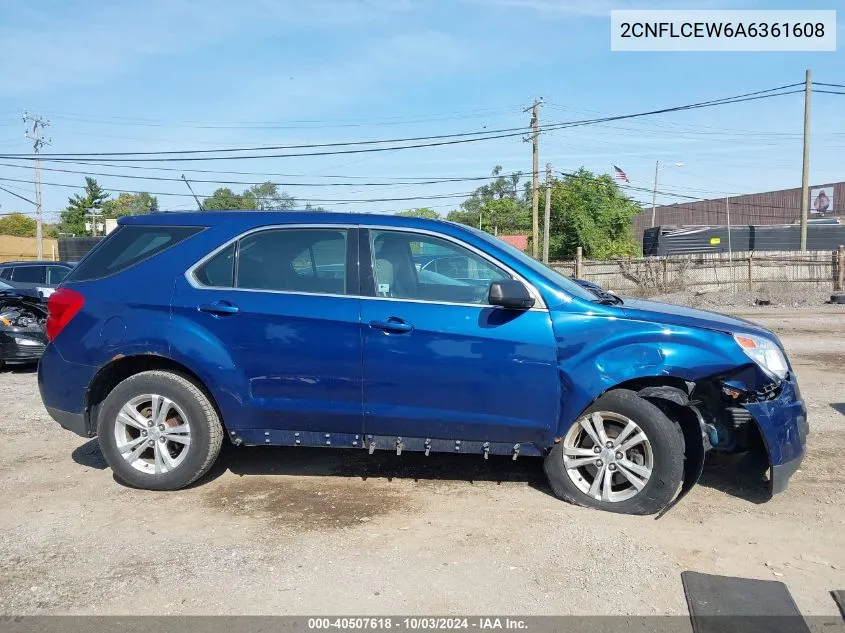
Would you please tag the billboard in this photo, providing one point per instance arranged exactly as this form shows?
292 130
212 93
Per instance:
821 201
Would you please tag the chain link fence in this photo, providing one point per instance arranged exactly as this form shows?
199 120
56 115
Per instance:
707 272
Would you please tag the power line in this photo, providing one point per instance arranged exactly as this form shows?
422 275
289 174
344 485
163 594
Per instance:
17 196
431 181
443 140
245 173
819 83
314 200
682 196
263 148
628 187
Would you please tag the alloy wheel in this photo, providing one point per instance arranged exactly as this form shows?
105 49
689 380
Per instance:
152 434
608 456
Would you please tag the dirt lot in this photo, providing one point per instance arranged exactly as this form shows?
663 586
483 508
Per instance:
280 531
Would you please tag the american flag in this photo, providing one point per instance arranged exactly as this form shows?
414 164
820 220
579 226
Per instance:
619 174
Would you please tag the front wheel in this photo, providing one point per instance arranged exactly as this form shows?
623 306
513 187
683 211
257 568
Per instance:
158 430
623 455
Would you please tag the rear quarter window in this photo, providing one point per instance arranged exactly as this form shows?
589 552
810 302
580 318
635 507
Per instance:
126 246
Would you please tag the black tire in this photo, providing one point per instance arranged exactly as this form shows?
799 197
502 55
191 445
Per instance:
206 429
668 455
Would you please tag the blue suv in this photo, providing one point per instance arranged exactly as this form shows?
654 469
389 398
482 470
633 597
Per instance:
322 329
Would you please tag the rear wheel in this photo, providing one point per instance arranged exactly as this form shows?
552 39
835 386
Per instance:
623 455
158 430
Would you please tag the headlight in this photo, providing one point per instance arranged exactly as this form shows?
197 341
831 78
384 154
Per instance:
763 352
28 342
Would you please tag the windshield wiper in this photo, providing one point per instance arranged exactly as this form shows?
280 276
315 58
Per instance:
608 299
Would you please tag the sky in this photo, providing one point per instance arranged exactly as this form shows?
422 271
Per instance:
182 74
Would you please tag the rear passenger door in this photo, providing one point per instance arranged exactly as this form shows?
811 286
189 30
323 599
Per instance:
283 304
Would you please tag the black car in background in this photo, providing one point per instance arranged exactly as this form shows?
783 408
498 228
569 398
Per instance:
41 275
23 316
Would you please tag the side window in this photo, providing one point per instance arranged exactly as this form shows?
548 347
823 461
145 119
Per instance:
29 274
56 274
5 273
294 260
428 268
219 271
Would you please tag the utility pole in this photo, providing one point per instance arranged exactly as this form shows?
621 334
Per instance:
730 246
535 181
654 193
546 215
38 141
805 169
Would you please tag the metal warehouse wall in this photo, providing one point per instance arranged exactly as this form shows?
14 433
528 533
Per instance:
72 249
772 207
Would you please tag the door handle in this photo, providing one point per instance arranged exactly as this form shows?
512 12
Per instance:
218 308
392 325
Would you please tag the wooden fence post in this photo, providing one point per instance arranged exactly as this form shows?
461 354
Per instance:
666 274
579 253
750 274
839 280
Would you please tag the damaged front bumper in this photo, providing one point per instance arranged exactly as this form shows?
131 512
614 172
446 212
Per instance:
782 421
21 344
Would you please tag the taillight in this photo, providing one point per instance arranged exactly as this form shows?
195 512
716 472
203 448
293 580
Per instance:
62 306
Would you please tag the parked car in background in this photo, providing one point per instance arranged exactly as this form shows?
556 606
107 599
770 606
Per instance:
43 276
23 315
321 329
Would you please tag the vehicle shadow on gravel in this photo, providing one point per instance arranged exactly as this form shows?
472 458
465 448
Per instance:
737 476
89 455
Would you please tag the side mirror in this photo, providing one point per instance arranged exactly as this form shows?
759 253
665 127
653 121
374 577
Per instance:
511 294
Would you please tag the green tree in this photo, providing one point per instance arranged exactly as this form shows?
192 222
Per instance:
224 199
130 204
73 217
263 197
309 207
497 206
268 197
423 212
590 211
17 224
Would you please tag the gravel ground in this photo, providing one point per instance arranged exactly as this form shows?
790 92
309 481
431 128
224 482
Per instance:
281 531
777 296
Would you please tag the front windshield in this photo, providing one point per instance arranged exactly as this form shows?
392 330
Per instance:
562 281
